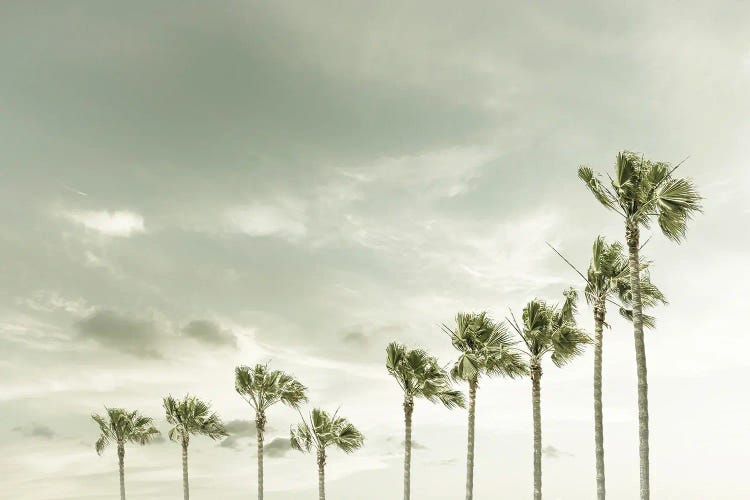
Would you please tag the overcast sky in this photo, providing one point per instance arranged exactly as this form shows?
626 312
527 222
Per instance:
186 186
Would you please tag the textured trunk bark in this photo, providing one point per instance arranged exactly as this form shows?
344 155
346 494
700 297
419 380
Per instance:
470 444
536 395
599 314
185 483
121 460
633 239
260 427
322 475
408 412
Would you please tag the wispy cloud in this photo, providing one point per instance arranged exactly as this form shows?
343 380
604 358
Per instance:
285 219
120 223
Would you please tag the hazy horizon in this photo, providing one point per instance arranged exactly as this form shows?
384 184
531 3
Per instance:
190 186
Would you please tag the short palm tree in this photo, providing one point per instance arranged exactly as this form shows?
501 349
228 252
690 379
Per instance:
119 427
191 416
643 191
547 329
320 432
420 376
263 388
485 348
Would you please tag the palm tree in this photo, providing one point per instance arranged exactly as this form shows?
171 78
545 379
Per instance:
263 388
644 190
120 426
324 430
191 416
547 329
485 348
419 376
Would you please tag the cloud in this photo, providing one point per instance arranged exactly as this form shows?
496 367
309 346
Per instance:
121 223
277 447
239 430
285 219
49 301
36 431
209 332
122 333
552 452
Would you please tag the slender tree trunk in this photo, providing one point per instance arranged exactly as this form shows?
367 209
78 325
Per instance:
633 239
321 475
408 412
260 427
599 314
470 444
185 483
536 404
121 460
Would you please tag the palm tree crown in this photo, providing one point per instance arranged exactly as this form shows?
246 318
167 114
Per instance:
644 189
262 388
608 275
551 329
324 430
120 426
192 416
420 376
485 347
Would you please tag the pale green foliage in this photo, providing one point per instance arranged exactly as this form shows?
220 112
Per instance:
324 430
485 347
608 275
120 426
642 190
263 388
419 375
192 416
552 329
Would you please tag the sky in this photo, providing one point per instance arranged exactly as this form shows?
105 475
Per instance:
190 186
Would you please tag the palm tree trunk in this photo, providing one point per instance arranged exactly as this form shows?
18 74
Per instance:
121 460
470 444
633 239
260 427
408 411
321 475
185 485
599 313
536 396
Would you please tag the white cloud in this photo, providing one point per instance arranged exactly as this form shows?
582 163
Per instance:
120 223
285 219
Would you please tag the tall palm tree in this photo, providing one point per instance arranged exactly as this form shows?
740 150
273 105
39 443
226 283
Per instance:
485 349
608 277
547 329
191 416
420 376
119 426
324 430
643 191
263 388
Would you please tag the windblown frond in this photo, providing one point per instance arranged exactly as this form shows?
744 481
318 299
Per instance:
263 388
189 416
420 376
324 430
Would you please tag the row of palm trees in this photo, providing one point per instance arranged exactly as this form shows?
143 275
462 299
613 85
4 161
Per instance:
642 191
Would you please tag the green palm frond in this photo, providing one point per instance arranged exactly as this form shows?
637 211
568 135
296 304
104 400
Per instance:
552 329
121 426
645 191
485 347
191 415
420 376
324 430
263 388
600 192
